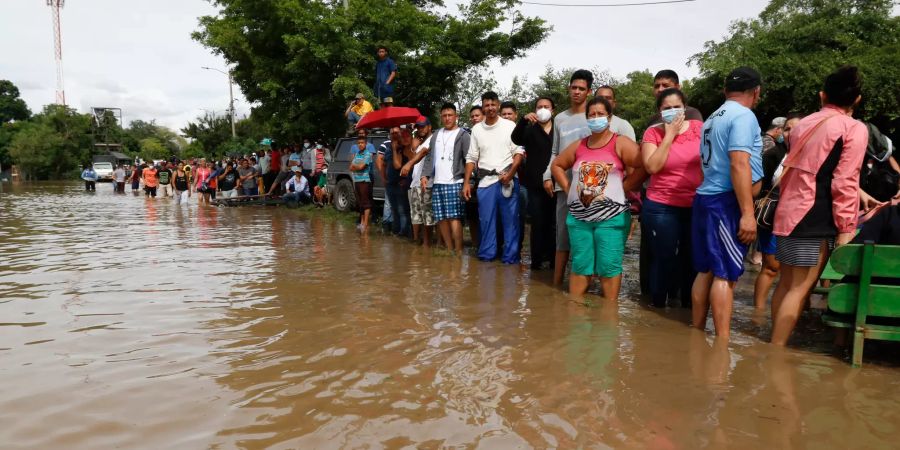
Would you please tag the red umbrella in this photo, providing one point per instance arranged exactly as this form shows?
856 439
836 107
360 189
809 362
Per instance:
389 116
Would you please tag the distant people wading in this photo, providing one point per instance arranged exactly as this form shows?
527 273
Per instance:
671 155
598 216
90 178
151 182
819 204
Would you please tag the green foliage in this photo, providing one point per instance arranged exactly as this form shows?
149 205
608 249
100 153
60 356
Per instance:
138 130
53 143
634 99
12 107
212 131
152 148
193 150
794 44
301 61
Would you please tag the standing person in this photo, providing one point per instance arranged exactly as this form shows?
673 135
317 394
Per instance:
444 167
247 179
476 116
497 158
765 240
670 153
722 213
509 111
119 178
396 152
151 181
200 175
181 180
420 212
358 108
136 173
228 180
265 163
387 217
90 178
275 169
308 160
362 182
568 126
598 218
296 189
819 203
534 133
385 72
617 124
164 174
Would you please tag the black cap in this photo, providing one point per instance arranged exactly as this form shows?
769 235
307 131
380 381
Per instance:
742 79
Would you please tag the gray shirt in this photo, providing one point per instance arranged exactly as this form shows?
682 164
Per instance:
249 183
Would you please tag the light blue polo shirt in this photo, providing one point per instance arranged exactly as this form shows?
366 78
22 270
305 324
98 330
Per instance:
732 128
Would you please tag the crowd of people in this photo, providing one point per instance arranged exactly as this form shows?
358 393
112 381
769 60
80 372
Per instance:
296 174
586 183
583 179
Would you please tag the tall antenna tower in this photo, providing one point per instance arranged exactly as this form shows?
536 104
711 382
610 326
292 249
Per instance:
55 6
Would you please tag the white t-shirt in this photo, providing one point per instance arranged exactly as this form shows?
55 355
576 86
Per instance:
443 157
492 148
417 169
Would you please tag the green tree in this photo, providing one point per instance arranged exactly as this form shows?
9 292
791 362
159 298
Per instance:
554 83
468 89
152 148
212 131
634 100
794 44
53 143
12 107
301 61
193 150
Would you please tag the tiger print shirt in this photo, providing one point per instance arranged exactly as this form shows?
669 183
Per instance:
596 193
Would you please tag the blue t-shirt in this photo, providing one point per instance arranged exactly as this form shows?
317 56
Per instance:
362 157
393 175
732 128
383 69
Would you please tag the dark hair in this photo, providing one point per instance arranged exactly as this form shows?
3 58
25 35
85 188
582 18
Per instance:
843 86
667 74
794 115
606 86
360 138
448 105
490 95
382 47
595 101
508 104
583 74
476 107
544 97
667 92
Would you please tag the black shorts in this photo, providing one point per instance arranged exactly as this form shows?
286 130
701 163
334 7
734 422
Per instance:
150 191
363 190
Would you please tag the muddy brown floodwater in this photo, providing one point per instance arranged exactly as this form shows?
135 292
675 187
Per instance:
128 323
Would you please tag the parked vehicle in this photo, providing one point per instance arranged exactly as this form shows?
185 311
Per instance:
104 171
340 184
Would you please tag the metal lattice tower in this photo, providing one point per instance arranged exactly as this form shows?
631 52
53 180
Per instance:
55 6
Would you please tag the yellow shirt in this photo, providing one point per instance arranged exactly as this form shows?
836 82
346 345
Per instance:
362 108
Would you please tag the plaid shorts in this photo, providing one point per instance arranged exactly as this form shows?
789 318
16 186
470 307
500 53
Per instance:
446 202
420 206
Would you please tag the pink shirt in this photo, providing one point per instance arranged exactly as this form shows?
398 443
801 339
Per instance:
677 182
798 185
201 174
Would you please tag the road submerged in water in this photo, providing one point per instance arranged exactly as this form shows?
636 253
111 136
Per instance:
134 323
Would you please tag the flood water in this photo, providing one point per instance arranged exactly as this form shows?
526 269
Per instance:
133 323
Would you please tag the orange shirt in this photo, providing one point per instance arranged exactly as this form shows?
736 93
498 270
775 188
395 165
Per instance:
149 175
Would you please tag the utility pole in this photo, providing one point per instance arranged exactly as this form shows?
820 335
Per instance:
55 6
230 97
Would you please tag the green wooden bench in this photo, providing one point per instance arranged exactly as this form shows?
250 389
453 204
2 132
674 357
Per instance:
831 276
852 305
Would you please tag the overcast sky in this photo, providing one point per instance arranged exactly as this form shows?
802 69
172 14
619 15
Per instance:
138 54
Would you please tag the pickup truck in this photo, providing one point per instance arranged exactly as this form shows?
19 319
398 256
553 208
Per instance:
104 170
340 184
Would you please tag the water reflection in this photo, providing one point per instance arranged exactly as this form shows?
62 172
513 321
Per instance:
158 326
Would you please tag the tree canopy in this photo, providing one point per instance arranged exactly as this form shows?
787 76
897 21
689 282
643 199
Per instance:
301 62
795 44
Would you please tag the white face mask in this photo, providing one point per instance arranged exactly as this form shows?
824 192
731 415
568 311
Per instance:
543 115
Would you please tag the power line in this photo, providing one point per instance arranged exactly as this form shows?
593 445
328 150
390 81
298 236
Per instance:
606 5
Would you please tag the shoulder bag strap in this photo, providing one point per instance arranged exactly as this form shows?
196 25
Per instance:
793 154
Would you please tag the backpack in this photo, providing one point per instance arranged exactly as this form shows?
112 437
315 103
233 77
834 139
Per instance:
876 176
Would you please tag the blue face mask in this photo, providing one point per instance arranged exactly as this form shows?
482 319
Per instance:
668 115
780 139
598 124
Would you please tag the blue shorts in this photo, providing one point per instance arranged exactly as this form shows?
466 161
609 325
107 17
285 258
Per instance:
716 248
446 202
766 241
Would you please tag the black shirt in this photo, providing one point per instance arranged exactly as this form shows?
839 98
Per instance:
537 144
229 181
